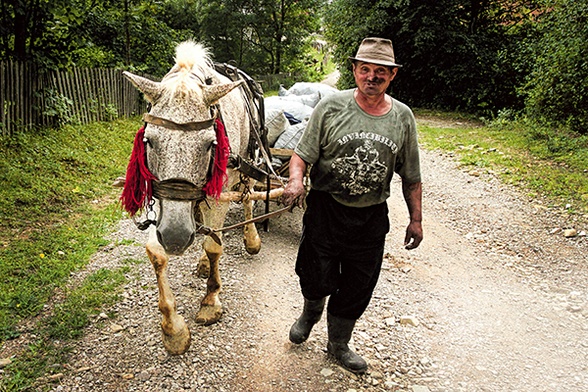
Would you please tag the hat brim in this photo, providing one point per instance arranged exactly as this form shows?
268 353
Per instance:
374 61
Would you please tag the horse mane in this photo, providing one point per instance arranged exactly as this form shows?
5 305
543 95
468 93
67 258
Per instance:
190 54
191 59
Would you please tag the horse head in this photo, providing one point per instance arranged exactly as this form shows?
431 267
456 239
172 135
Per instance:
180 140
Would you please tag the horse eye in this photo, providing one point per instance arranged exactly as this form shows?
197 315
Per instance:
148 142
212 145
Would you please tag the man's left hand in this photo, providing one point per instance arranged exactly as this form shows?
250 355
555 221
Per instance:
414 235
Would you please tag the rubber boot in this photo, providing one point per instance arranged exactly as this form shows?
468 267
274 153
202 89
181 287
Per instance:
340 331
311 314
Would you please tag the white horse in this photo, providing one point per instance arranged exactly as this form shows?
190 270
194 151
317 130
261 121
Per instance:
180 142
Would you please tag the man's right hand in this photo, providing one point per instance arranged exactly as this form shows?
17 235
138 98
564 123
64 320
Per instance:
294 193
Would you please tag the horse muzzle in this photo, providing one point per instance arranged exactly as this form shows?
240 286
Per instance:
176 226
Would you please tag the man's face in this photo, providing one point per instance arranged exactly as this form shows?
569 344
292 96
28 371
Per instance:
373 79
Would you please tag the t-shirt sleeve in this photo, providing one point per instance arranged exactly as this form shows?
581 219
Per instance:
408 160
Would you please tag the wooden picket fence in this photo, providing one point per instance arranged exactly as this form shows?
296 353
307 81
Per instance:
31 97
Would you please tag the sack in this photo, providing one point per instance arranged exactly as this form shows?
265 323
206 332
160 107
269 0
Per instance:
289 139
299 110
309 100
306 88
276 123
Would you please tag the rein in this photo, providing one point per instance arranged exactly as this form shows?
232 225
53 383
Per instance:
212 232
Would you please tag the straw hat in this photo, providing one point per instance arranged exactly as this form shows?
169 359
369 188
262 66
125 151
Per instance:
377 51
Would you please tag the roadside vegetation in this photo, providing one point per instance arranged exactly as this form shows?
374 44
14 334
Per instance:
57 206
542 161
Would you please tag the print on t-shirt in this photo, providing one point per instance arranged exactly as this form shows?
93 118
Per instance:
361 172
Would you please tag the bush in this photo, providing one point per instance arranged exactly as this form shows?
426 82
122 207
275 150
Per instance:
557 89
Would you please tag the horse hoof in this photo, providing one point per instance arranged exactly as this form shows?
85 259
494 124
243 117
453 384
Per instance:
252 247
208 315
177 343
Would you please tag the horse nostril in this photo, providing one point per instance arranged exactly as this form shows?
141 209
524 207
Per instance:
175 244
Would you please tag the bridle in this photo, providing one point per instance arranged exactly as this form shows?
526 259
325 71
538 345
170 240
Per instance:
178 189
189 126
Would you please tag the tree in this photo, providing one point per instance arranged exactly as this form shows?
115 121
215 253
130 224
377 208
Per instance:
268 36
557 88
456 54
38 30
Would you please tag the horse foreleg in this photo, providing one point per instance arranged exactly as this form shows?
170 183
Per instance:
250 235
211 308
203 269
175 332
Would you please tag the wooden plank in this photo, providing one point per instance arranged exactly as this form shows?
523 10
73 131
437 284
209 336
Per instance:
18 115
13 88
3 97
92 105
281 152
74 94
83 96
102 88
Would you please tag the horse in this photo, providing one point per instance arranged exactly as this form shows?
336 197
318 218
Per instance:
183 147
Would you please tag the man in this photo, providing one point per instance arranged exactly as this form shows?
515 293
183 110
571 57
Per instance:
355 140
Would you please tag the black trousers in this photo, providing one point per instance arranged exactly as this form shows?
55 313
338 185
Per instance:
340 253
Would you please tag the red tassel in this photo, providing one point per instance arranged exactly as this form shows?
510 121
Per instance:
219 177
138 187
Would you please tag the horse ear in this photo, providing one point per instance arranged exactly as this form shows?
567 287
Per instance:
151 89
215 92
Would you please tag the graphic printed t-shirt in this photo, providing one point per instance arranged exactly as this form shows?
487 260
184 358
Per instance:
354 154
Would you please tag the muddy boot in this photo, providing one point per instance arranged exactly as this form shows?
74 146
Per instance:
340 331
311 315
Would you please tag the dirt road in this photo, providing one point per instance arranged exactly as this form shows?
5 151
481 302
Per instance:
498 295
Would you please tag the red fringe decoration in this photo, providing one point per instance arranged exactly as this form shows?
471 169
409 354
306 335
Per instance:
138 189
219 178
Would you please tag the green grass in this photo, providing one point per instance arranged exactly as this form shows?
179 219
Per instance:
539 160
48 353
56 207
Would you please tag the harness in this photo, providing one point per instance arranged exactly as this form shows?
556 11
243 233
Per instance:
256 164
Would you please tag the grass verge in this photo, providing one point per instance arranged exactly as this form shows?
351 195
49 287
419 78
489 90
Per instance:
56 207
540 161
43 359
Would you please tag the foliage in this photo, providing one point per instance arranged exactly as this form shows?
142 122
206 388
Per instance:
266 37
58 106
35 30
557 89
458 55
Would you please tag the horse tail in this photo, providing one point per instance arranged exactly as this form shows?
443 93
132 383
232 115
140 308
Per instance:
190 54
